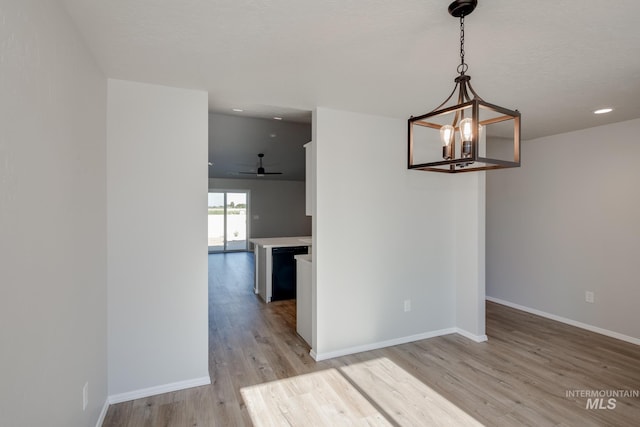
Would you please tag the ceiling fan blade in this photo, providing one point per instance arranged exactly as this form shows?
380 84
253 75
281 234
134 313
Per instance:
261 171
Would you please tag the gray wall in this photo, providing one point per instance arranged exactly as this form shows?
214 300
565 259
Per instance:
567 222
279 205
53 286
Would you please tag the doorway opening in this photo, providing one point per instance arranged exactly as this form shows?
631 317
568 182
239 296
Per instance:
227 221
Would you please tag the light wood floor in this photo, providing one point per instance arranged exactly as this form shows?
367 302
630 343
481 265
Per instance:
259 367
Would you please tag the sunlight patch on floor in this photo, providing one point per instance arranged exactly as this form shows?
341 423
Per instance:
373 393
320 398
403 398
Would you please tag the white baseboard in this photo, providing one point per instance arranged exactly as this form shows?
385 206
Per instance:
472 337
103 413
152 391
571 322
382 344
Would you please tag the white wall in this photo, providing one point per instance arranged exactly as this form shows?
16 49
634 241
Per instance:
53 311
382 234
279 206
157 236
567 222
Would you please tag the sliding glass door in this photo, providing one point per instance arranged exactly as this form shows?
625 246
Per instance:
228 221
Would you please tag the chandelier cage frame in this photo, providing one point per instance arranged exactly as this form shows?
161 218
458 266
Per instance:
493 128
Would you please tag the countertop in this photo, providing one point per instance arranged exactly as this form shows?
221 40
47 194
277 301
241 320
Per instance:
282 242
303 257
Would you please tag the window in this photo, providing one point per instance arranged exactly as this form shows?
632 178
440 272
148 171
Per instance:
228 221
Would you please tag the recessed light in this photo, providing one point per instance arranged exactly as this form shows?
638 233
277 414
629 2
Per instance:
603 111
238 110
277 118
273 135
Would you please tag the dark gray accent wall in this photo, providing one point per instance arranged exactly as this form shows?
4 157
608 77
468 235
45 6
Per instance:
277 208
235 142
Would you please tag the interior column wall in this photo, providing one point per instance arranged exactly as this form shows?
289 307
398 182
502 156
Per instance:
469 253
382 236
157 238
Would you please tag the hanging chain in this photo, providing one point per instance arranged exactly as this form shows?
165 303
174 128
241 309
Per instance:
462 68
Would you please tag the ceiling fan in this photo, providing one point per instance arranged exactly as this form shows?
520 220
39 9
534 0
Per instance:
261 171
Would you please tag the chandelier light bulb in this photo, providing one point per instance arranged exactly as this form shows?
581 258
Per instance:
447 133
466 129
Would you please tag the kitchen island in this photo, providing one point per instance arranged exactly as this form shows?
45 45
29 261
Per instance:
264 249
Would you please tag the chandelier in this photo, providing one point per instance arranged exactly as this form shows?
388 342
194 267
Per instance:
470 135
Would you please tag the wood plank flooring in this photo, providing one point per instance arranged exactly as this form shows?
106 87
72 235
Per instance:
260 368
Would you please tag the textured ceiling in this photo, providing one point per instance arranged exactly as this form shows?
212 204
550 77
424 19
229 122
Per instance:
555 61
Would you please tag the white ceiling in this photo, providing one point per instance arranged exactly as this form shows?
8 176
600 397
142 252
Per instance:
554 60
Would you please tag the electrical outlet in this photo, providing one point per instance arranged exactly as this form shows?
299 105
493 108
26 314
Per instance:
85 396
589 297
407 305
